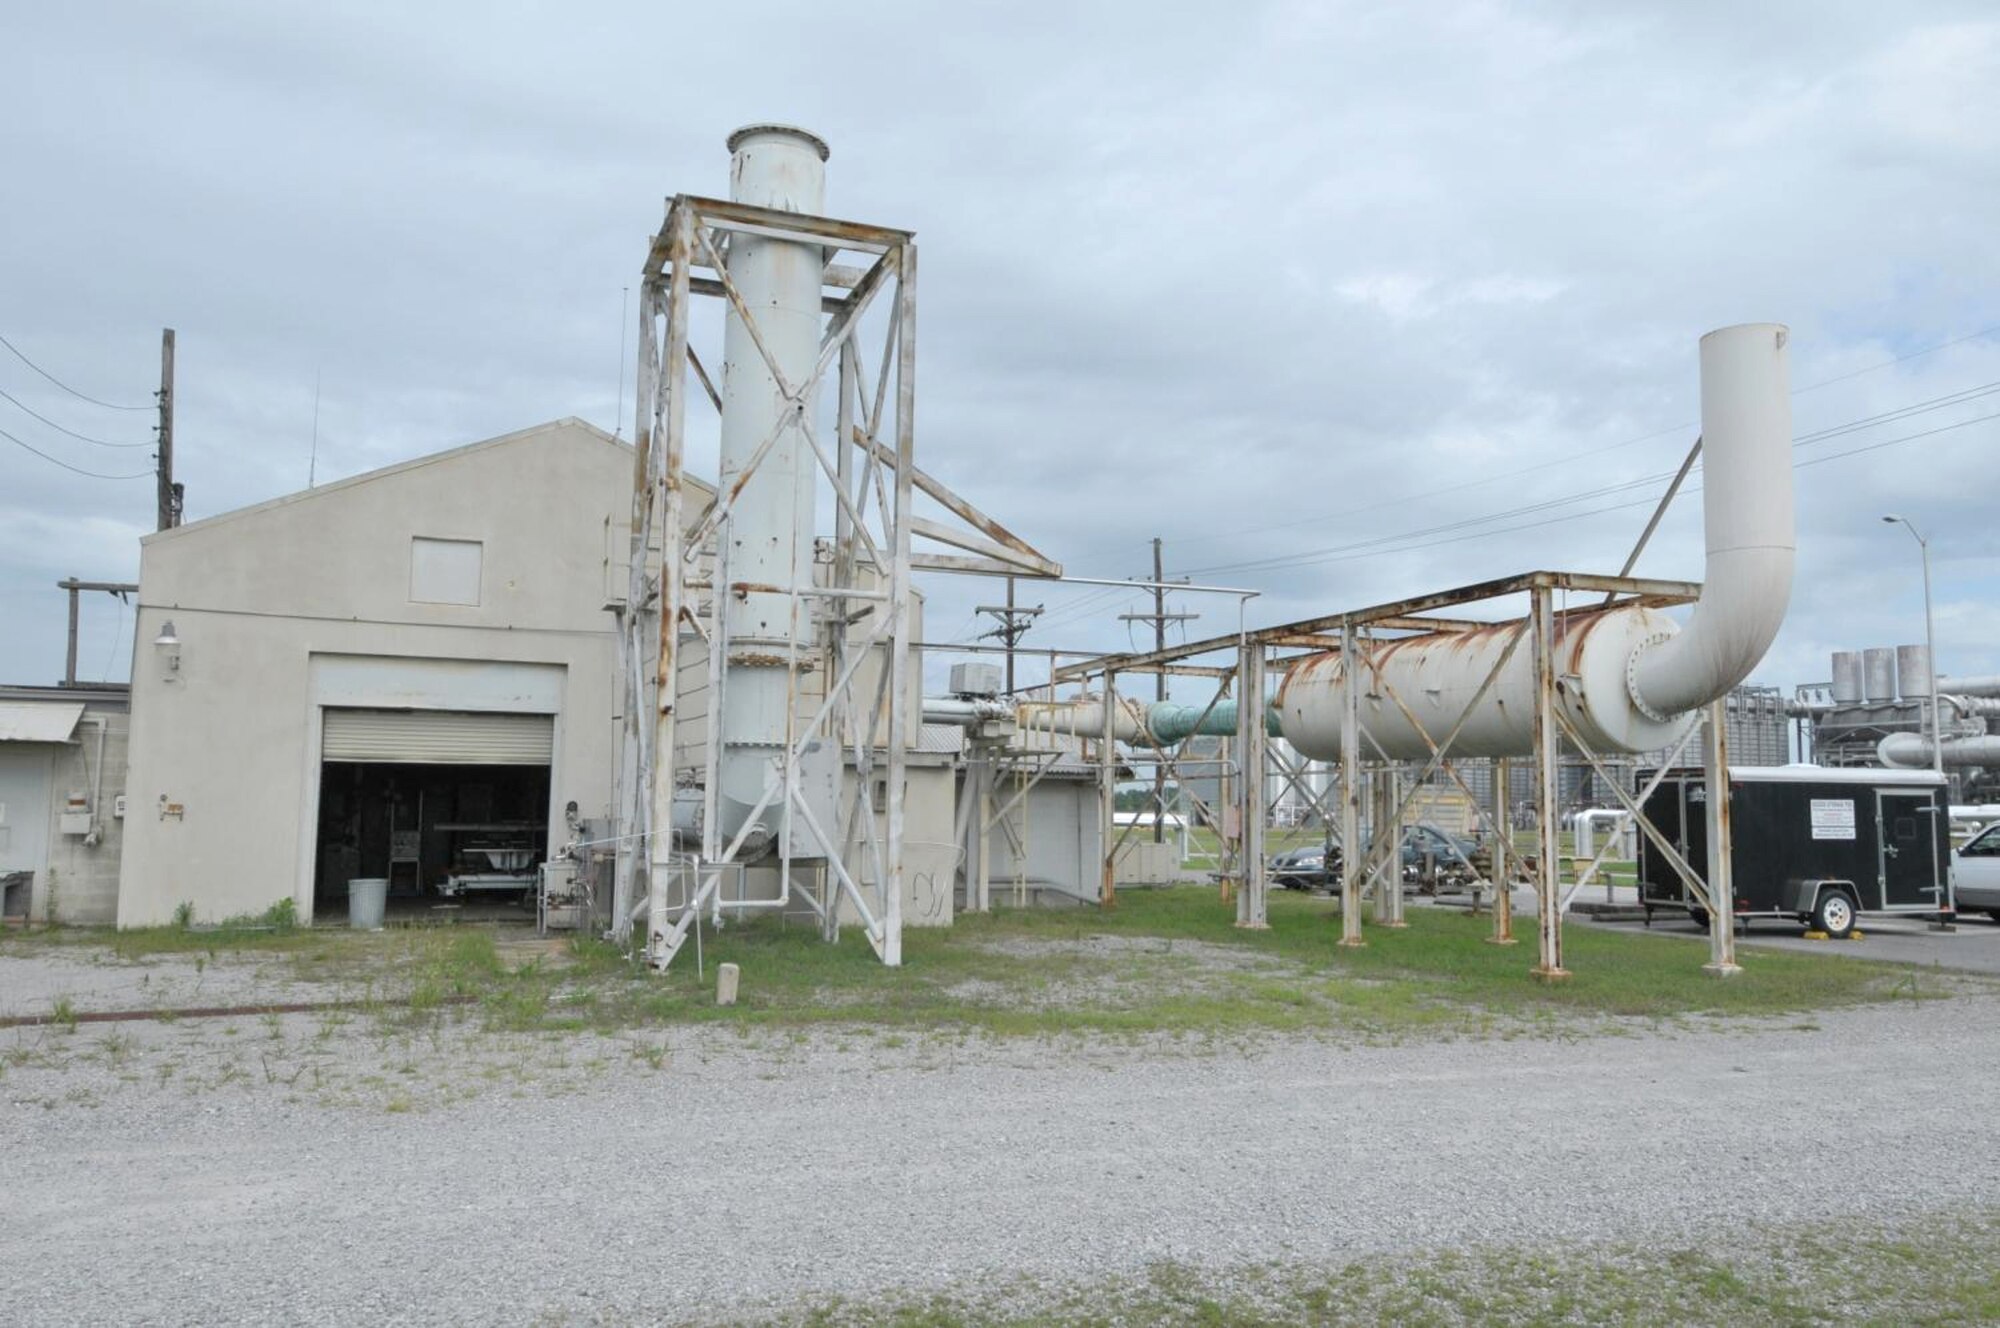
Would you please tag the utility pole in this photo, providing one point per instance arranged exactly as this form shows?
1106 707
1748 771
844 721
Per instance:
1013 625
1159 617
170 493
119 588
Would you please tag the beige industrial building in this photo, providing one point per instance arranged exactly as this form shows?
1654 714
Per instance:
408 674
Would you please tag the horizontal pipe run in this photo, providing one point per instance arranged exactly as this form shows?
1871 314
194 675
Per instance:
1910 751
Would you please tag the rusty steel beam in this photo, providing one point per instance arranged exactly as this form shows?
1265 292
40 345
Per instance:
1031 557
1415 610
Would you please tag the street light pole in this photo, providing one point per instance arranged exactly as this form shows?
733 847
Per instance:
1930 640
1943 921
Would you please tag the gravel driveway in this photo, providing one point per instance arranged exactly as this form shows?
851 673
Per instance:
722 1173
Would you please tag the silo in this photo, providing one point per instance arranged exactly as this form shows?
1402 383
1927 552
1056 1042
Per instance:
1847 677
1913 671
1878 674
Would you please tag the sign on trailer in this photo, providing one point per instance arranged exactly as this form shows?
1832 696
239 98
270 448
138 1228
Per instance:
1833 818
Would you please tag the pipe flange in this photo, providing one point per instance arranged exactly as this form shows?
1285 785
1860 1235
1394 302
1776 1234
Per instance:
1632 677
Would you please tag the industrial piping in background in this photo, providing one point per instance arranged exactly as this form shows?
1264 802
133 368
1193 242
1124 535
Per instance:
1913 751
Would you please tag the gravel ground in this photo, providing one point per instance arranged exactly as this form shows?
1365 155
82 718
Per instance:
437 1174
91 979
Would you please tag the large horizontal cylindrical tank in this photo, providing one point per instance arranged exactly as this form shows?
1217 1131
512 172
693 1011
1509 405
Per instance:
1436 676
1878 674
1847 677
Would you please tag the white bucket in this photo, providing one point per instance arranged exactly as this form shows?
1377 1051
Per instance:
367 897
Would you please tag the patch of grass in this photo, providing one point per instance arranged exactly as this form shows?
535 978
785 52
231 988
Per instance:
63 1012
1867 1273
1164 962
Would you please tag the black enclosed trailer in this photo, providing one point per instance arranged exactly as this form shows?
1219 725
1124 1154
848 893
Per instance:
1811 843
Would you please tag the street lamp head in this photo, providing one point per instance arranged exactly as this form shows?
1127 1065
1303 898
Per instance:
1892 519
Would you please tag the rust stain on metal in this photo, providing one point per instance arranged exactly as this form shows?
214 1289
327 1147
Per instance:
754 659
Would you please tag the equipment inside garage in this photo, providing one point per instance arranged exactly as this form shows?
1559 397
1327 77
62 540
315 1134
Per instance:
444 805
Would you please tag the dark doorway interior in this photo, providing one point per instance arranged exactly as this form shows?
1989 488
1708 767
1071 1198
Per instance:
438 833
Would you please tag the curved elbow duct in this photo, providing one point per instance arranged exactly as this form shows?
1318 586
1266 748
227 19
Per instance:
1746 432
1631 678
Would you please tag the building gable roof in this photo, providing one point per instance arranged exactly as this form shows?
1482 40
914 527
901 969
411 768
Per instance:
569 425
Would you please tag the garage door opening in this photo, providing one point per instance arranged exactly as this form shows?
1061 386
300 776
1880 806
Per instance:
451 808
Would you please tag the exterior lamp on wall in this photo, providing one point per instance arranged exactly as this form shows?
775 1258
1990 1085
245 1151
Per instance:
168 647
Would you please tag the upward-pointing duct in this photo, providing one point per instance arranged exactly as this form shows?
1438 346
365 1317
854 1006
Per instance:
1746 495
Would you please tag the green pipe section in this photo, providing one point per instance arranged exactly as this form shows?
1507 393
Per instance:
1169 721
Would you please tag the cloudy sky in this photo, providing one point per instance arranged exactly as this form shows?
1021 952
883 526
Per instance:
1344 302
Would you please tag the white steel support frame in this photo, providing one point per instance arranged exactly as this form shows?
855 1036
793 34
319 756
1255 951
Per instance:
864 611
1354 635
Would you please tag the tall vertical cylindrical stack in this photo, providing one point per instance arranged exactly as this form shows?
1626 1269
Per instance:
1878 674
1913 672
1847 677
770 529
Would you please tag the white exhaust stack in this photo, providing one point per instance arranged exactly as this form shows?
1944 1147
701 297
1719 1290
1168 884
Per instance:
770 532
1746 495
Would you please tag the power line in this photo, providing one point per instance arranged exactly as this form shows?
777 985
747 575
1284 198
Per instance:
80 396
82 438
1276 561
1566 459
1345 555
58 461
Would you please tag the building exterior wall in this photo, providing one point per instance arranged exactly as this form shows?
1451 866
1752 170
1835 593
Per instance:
224 758
76 874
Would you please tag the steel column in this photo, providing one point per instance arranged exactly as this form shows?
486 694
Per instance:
1503 856
1251 743
1548 749
1350 787
1721 888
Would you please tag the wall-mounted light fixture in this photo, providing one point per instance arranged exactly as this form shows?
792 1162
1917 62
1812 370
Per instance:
168 647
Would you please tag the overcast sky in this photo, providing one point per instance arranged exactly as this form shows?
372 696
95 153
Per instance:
1339 300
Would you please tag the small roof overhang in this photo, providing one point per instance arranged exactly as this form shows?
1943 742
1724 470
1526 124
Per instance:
39 721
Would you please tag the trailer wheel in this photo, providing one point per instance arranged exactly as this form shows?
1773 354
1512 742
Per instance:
1834 913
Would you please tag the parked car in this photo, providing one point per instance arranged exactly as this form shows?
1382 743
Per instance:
1302 869
1975 873
1448 850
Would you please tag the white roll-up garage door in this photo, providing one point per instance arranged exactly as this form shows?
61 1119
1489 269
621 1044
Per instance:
437 737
